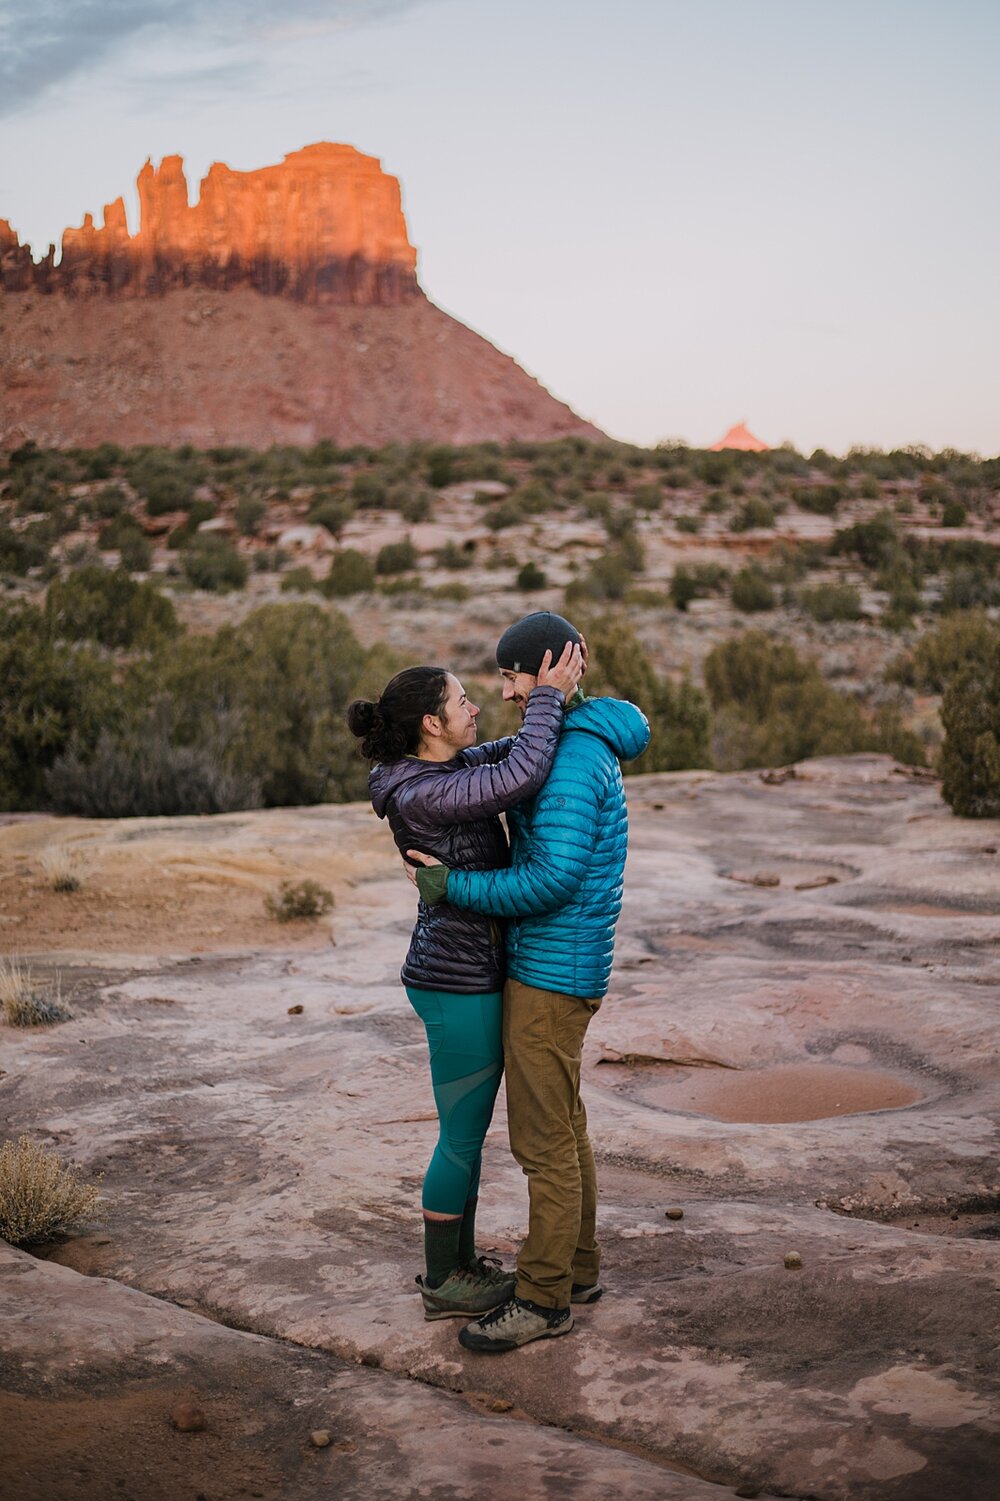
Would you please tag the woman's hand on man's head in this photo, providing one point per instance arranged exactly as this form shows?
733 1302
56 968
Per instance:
566 673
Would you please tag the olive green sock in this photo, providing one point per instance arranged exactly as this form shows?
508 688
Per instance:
467 1234
441 1248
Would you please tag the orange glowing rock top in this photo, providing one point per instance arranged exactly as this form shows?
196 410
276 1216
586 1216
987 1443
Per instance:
740 437
324 225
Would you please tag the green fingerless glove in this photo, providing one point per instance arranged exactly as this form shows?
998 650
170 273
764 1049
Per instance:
432 883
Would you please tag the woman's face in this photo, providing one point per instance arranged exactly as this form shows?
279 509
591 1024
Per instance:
457 718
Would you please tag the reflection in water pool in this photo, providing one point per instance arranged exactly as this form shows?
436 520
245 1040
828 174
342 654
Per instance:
783 1092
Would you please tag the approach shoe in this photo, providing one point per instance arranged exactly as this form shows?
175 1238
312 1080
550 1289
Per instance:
514 1324
586 1292
467 1292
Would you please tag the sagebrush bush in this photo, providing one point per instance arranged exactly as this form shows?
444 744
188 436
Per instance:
26 1001
970 755
959 641
298 899
98 604
750 590
831 601
61 869
210 562
350 573
40 1195
531 577
396 557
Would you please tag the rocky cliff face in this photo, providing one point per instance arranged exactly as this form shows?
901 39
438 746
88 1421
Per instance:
326 225
282 307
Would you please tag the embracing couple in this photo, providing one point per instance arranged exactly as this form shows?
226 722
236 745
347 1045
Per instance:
510 956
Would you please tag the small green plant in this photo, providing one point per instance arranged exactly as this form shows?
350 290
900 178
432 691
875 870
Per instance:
753 514
831 601
298 899
970 756
454 589
25 1001
248 514
531 577
350 573
396 557
210 562
689 524
751 591
40 1195
299 580
61 869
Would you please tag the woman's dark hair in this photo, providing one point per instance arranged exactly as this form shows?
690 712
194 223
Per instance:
391 726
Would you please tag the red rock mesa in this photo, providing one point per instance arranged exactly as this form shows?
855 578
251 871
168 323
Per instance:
282 306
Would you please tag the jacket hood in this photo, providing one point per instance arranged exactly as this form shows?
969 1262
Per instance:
620 724
384 780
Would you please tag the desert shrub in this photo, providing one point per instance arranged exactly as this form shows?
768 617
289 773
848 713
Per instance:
61 869
969 588
299 899
248 514
280 683
831 601
162 489
715 503
453 589
531 577
97 604
455 557
683 587
440 467
688 524
350 573
507 512
771 707
143 773
953 513
958 642
396 557
52 693
26 1001
822 500
875 543
210 562
19 553
200 510
332 512
608 577
40 1195
109 501
299 580
869 488
970 755
753 513
119 530
135 553
413 504
368 490
750 590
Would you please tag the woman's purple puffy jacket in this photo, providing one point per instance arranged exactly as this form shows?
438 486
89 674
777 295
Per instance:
450 809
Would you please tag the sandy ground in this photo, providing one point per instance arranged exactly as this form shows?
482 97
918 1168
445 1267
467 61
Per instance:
798 1053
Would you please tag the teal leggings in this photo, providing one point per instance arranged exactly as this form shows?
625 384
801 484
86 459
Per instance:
464 1037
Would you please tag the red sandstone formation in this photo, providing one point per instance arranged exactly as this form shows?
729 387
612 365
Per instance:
282 307
742 438
324 226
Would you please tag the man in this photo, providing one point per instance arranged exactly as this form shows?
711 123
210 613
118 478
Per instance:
562 896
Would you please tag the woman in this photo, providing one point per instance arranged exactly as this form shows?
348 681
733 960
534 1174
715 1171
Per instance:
443 794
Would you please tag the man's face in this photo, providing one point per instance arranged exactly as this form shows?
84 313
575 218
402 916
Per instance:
516 687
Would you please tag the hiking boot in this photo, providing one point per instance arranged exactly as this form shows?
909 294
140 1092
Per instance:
514 1324
468 1291
586 1292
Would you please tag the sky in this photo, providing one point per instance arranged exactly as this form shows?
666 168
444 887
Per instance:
677 214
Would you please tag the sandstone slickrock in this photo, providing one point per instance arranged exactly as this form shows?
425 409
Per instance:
269 1174
282 306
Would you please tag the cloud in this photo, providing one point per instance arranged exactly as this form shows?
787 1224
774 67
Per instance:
44 43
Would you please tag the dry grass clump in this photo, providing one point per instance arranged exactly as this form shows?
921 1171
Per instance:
40 1195
27 1002
61 868
298 899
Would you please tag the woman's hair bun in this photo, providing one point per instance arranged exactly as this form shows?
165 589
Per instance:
361 717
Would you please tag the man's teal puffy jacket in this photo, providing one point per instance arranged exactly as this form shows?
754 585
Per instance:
563 890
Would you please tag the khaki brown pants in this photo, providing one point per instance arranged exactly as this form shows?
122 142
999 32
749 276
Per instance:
543 1036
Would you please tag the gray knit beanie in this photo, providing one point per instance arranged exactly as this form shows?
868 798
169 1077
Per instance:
523 644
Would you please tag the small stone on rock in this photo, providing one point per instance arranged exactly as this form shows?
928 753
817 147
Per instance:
187 1418
296 1010
320 1438
674 1214
793 1260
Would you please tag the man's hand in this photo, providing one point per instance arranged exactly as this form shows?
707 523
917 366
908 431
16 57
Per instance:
566 673
432 878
